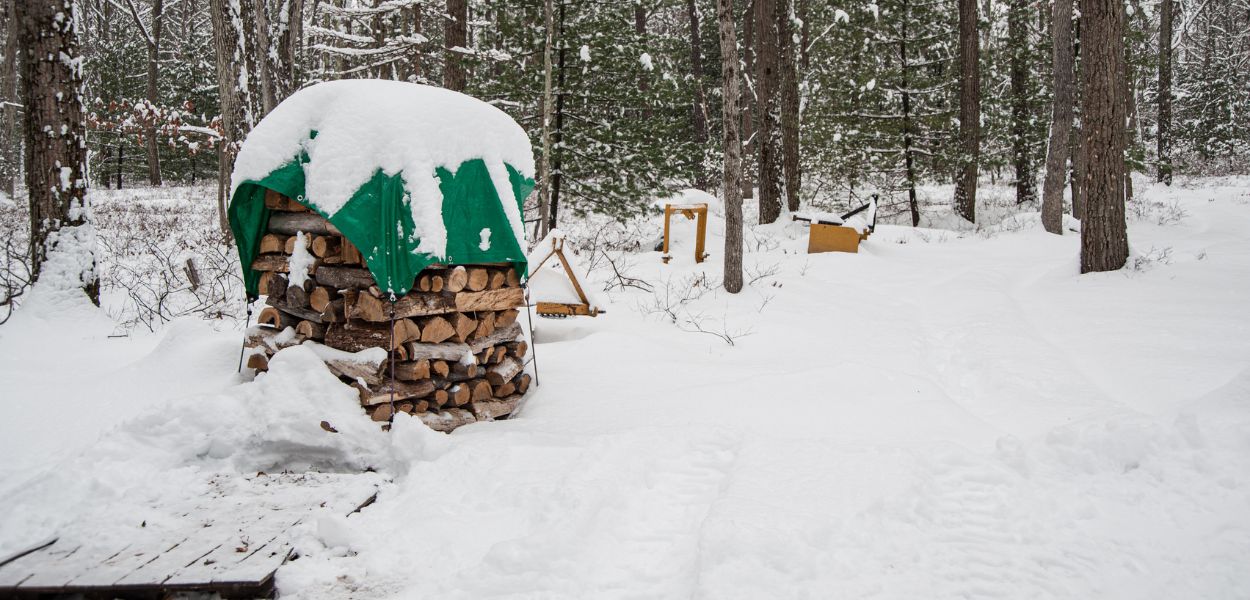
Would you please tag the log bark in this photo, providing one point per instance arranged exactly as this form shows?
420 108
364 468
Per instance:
395 391
371 373
504 371
273 243
412 370
277 319
342 278
447 420
354 336
412 304
310 330
290 223
500 336
500 299
299 311
486 411
432 352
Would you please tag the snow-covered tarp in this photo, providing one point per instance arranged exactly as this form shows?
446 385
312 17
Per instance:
411 174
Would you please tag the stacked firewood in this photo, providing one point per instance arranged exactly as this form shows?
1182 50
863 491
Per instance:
449 352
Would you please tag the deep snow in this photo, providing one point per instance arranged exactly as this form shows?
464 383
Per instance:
945 414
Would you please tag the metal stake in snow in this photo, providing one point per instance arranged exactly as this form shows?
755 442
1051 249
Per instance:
247 322
391 357
529 323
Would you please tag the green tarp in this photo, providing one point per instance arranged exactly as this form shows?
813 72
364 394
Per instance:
378 221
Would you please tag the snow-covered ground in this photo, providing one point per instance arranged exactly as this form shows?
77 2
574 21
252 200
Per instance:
945 414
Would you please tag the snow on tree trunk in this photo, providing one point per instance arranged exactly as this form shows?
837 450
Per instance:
62 237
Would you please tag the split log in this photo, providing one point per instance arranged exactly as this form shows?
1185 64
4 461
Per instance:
277 319
498 354
505 318
327 245
342 278
457 279
381 413
486 411
497 280
288 223
484 356
518 349
297 295
432 352
394 391
335 312
504 371
436 330
500 336
272 243
276 201
440 368
413 304
479 389
304 313
412 370
354 336
321 297
479 279
447 420
501 299
350 253
272 262
311 331
464 326
485 324
459 395
505 390
523 382
258 361
460 371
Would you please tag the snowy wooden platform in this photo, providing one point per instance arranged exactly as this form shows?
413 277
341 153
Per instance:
230 545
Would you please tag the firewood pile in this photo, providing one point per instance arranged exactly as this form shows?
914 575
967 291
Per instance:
456 347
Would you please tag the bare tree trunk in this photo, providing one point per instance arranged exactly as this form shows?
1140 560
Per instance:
732 184
909 161
698 109
1165 92
644 84
1017 28
235 51
56 153
789 104
9 137
1061 119
747 105
284 75
455 34
557 176
544 166
153 93
1104 238
768 106
969 111
264 46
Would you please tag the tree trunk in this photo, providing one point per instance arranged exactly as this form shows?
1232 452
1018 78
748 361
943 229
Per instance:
640 29
1164 139
909 161
56 161
232 45
455 34
748 100
544 165
768 109
284 79
557 178
789 104
698 109
732 184
1061 119
1018 40
10 143
153 93
969 111
1104 239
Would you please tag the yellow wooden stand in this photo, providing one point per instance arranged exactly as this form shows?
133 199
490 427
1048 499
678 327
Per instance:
559 309
690 211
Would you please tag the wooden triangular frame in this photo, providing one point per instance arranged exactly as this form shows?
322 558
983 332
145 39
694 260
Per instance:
559 309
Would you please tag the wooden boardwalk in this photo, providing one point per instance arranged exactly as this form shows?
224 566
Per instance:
230 545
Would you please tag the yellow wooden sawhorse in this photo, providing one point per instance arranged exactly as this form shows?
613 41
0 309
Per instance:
698 212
